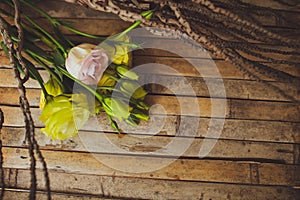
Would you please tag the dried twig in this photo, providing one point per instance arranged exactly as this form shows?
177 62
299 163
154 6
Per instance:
2 183
24 104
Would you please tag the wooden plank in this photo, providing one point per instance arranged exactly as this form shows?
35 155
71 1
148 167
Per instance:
152 167
264 110
250 130
15 194
185 106
14 116
236 109
122 187
92 26
177 65
241 89
290 5
234 88
86 163
188 66
161 46
199 67
174 46
285 176
168 85
99 142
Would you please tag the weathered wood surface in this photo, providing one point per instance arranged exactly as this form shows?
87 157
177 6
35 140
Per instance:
154 146
122 187
256 155
179 169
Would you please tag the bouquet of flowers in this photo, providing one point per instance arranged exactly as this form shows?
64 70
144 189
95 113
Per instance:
101 70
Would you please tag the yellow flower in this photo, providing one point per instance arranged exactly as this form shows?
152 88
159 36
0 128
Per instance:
118 52
106 81
121 55
64 115
53 88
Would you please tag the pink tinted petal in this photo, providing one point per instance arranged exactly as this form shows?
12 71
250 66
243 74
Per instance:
93 66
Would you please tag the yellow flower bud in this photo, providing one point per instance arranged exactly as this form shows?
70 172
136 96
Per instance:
106 81
116 108
53 88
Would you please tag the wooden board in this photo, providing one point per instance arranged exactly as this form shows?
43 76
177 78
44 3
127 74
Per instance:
122 187
248 130
180 169
101 142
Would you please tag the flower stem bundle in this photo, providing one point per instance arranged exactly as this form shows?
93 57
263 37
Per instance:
102 70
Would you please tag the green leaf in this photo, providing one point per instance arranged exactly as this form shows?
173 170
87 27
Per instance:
33 71
5 49
114 124
59 59
65 23
67 44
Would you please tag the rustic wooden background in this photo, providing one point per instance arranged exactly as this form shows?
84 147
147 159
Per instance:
256 157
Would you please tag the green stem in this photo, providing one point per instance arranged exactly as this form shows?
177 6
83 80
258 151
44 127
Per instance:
41 29
111 76
57 22
39 57
52 20
46 67
80 33
47 34
146 14
108 88
45 40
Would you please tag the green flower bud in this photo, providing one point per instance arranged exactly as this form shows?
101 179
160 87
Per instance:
133 89
124 72
138 114
116 108
142 105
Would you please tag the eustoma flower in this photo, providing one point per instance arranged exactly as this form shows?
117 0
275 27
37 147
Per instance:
64 115
87 62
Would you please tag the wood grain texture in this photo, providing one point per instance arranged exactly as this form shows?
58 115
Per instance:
101 142
122 187
185 106
180 169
